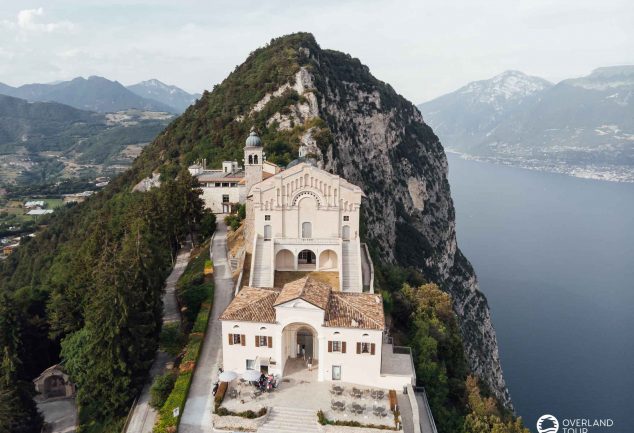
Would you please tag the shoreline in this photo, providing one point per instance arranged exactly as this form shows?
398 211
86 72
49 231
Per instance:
605 174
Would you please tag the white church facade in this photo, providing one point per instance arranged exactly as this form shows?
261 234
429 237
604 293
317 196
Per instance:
304 222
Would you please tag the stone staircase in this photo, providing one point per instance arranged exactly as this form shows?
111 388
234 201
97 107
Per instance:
291 420
262 272
351 266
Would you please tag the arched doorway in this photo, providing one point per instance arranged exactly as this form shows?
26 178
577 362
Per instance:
305 343
284 261
345 233
54 386
300 348
307 209
328 261
306 260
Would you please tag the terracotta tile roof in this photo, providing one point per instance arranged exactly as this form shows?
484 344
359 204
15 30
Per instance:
308 289
341 310
355 310
252 304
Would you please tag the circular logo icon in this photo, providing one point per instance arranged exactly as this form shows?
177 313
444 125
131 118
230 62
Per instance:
547 424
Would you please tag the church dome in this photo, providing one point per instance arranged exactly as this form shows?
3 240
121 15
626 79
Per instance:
253 140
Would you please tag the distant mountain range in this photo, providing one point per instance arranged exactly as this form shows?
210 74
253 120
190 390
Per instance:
169 95
104 96
581 126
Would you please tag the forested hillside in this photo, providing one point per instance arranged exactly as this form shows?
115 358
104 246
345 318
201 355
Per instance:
94 278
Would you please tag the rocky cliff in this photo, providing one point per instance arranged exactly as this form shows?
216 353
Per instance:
328 105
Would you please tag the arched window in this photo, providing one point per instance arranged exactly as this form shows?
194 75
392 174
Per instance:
250 159
255 159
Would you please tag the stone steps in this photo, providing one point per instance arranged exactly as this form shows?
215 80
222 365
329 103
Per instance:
351 266
262 273
291 420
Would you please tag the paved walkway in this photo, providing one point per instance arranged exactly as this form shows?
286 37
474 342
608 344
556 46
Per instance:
144 416
196 417
60 414
426 424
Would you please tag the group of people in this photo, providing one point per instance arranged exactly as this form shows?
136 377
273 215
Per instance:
267 382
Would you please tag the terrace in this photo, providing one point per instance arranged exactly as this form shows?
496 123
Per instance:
300 389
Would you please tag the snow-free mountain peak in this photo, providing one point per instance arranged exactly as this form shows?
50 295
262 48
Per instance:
167 94
605 78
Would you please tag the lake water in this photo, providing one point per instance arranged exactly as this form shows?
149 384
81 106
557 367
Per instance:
555 257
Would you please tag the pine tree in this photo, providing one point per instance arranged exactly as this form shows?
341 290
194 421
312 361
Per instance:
18 413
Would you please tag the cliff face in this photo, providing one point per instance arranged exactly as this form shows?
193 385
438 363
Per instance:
327 105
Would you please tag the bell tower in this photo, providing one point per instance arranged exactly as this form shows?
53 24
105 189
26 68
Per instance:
253 160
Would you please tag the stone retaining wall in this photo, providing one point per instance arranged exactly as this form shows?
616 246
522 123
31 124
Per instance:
237 423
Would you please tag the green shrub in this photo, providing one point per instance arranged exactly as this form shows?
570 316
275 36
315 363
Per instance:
223 411
172 338
161 389
191 288
233 221
207 224
321 418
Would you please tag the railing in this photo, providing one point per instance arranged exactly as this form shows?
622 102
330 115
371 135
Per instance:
307 241
421 390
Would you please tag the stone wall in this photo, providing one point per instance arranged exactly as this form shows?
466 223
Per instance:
237 423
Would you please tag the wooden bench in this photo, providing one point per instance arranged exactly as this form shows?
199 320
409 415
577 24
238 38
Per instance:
393 400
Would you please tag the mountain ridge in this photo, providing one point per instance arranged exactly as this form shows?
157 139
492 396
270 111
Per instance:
170 95
94 93
580 126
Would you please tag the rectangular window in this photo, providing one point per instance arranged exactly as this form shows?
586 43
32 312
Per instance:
225 184
336 346
262 340
267 217
225 198
346 218
366 348
217 184
250 364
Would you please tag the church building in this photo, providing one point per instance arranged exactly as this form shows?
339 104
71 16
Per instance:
310 295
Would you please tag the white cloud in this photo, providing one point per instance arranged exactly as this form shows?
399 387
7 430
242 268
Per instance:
29 20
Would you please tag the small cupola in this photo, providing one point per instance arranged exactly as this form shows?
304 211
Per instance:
253 140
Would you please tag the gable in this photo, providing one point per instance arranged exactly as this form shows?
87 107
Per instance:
298 304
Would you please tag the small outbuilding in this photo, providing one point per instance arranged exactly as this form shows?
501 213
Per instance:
53 383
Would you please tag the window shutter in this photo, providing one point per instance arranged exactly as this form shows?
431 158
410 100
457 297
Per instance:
329 346
358 347
270 342
343 347
372 348
257 341
230 338
243 340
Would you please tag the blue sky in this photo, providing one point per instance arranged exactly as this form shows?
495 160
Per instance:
423 48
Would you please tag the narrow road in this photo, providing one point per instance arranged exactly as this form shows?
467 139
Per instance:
144 416
196 417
